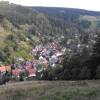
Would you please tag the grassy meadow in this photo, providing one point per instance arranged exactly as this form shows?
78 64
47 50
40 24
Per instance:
51 90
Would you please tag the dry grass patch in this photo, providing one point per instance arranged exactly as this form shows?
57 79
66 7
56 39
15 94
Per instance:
51 90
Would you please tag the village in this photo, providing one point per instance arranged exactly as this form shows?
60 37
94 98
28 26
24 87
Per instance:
44 56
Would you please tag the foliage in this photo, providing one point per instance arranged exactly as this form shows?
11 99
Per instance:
5 77
23 75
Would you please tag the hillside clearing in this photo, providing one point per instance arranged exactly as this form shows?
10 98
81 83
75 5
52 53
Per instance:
51 90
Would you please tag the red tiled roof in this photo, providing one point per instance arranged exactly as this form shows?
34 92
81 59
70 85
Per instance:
15 72
3 69
32 72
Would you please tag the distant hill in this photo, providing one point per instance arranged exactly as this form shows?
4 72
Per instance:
71 16
55 10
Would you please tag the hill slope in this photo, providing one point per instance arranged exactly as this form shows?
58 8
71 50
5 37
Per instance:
22 25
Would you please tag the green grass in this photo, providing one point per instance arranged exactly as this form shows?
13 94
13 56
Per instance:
51 90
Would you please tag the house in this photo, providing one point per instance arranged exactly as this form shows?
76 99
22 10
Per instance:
39 48
27 65
30 68
16 72
5 68
53 59
32 72
34 52
60 56
54 45
42 60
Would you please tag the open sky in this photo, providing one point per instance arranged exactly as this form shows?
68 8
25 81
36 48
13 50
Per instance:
83 4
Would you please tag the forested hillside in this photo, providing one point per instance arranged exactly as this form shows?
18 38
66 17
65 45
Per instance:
22 28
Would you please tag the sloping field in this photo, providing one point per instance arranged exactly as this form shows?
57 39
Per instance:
51 90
